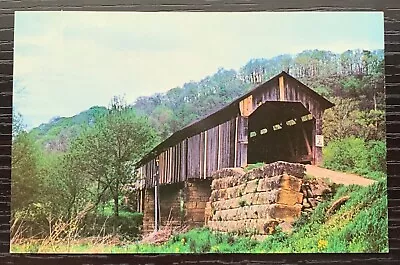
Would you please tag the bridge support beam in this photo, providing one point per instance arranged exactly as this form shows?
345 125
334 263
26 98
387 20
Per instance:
317 149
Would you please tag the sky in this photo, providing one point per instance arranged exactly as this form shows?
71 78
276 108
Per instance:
67 62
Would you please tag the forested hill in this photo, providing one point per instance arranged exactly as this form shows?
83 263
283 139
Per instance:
57 133
355 76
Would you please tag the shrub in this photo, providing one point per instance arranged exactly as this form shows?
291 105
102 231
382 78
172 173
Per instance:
346 155
253 166
377 156
127 224
356 156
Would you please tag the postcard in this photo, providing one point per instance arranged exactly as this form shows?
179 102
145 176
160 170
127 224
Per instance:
186 132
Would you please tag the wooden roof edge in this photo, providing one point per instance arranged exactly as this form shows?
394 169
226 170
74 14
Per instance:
326 103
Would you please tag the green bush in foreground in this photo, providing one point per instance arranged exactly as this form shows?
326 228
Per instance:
126 225
357 156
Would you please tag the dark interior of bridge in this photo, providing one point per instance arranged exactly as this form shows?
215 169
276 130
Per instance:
280 131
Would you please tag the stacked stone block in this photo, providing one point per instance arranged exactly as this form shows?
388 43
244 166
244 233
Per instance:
170 204
180 204
197 193
314 191
257 201
148 211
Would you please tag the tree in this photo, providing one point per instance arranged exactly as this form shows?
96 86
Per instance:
18 125
164 121
346 119
25 181
106 153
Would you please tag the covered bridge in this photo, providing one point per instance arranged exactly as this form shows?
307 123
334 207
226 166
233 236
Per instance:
280 119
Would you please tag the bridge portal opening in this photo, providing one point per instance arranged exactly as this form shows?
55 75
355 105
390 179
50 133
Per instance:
280 131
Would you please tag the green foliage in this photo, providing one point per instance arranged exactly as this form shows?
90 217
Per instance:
126 226
377 156
33 248
346 119
18 125
199 240
25 173
60 131
48 186
337 234
346 155
105 153
355 155
253 166
351 85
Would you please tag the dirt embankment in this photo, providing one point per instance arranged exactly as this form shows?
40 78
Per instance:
337 177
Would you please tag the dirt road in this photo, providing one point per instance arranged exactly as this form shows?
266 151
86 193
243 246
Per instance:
337 177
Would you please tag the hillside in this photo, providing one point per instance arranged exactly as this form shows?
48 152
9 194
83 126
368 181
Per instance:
58 132
354 74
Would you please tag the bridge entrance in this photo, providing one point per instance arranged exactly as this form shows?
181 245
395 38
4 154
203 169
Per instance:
280 131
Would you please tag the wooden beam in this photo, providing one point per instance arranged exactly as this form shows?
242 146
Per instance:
236 142
205 154
289 139
246 106
281 89
170 164
156 207
138 201
141 201
313 142
317 149
243 141
219 147
309 151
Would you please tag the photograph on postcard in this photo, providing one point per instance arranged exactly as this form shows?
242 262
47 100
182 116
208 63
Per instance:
197 132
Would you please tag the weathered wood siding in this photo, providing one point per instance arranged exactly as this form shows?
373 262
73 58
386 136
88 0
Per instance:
200 155
150 171
293 92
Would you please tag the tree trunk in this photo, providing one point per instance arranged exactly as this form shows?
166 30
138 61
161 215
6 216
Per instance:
116 208
115 195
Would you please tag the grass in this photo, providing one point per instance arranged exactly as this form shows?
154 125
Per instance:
358 226
108 211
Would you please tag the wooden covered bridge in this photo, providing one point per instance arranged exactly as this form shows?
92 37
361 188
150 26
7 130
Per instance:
280 119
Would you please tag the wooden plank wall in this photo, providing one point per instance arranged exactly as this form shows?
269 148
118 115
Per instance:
213 149
150 170
200 155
